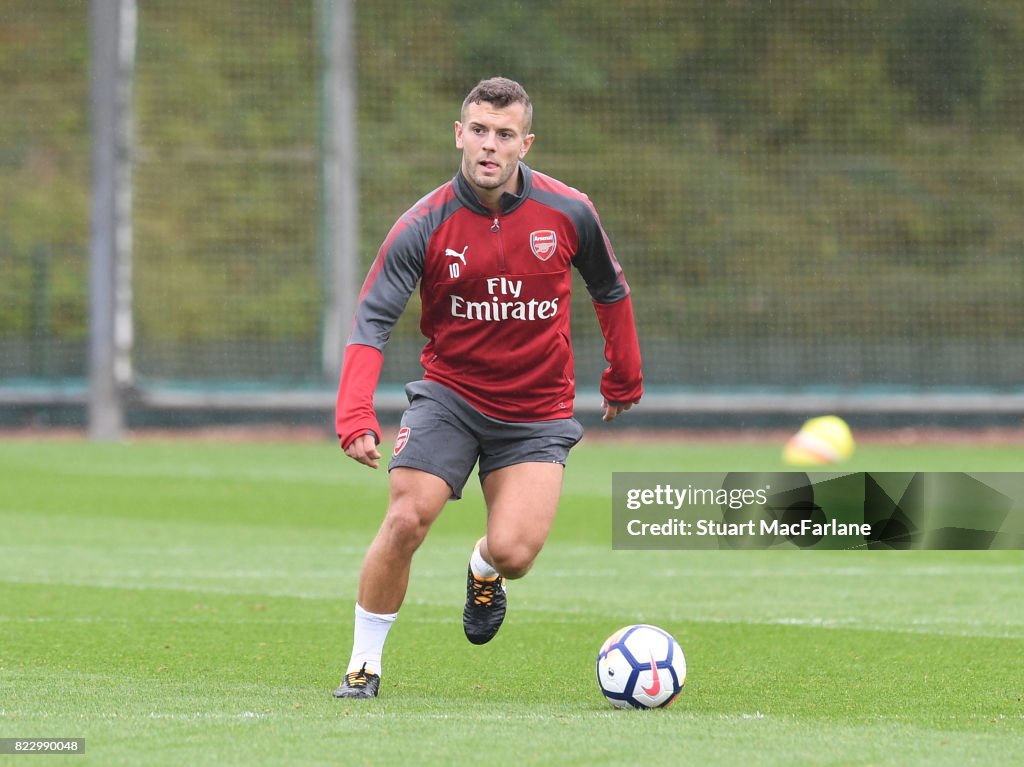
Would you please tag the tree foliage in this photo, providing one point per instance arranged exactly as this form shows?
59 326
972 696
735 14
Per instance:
786 169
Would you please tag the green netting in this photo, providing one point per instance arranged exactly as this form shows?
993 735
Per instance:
802 193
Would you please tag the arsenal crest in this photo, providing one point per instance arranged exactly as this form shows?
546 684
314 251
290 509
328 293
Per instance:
543 243
402 439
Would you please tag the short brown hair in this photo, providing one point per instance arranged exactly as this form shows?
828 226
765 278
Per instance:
501 92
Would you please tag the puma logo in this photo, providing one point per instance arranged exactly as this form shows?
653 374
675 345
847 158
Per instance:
457 254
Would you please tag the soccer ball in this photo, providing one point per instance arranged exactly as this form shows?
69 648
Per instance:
641 666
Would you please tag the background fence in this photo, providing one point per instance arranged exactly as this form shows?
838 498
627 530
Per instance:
806 196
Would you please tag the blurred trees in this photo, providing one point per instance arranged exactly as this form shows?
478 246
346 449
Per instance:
793 169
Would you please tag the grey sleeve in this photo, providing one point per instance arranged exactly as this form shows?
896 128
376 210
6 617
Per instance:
391 280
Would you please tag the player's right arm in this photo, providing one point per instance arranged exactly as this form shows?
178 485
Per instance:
385 292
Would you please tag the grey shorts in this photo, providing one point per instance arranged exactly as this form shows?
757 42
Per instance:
444 435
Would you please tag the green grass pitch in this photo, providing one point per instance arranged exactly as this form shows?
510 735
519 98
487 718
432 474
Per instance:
190 603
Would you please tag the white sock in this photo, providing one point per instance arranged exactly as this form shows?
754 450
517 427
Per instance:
368 635
480 566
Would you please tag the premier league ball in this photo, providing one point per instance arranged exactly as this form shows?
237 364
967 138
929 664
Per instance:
641 666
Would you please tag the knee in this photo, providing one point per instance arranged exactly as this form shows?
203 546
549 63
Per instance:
406 525
512 560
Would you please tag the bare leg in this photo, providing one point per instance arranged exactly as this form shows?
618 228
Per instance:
522 501
416 501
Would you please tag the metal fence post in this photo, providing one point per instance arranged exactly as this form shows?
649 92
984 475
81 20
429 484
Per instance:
105 407
340 174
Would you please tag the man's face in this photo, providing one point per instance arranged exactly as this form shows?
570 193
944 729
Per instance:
493 140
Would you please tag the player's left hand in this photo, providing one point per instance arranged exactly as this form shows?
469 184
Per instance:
613 410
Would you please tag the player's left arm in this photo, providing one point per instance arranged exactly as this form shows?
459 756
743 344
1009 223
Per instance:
622 381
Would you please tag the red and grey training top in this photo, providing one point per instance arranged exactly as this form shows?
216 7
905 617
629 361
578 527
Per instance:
495 303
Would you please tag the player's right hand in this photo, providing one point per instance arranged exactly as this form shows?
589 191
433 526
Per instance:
364 449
